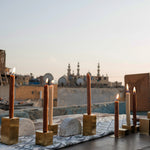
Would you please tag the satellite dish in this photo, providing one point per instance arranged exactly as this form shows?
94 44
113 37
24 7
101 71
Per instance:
49 76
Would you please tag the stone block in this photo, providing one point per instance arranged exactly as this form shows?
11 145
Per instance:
44 139
54 128
70 127
89 125
9 130
145 126
26 127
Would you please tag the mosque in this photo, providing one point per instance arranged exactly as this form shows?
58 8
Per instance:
78 80
69 80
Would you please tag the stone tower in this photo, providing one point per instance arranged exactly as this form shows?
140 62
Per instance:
98 70
2 61
78 69
69 70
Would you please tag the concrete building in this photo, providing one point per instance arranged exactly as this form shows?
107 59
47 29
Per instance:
142 84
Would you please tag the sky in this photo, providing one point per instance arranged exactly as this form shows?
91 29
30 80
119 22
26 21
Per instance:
42 36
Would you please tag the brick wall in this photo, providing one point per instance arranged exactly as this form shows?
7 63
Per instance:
142 84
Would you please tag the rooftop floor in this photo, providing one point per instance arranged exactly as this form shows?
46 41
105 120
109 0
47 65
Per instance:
131 142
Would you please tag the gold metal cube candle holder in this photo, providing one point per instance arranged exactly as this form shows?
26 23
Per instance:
44 139
89 125
145 126
54 128
9 130
130 128
137 128
123 132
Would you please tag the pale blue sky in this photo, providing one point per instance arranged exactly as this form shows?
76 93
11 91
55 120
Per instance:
42 36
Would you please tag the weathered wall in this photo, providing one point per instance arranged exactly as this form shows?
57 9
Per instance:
99 108
37 113
31 92
28 92
142 84
78 96
25 92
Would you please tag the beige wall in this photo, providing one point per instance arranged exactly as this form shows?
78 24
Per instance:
28 92
31 92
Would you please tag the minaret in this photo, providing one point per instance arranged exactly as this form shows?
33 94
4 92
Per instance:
78 69
69 70
98 70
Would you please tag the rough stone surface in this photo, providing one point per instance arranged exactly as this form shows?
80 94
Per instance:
70 127
35 113
26 127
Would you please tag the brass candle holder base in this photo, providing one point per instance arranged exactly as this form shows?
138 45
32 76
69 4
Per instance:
9 130
123 132
44 139
130 128
54 128
89 125
137 128
145 126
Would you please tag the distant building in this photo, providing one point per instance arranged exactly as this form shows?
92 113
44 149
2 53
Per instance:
78 80
22 79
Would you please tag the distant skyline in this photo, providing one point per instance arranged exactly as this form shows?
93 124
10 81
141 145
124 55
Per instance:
42 36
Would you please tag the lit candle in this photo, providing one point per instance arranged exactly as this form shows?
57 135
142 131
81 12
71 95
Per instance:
45 108
88 94
134 106
127 105
11 94
51 97
117 116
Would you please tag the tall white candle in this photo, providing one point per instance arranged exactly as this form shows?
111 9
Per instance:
51 97
127 105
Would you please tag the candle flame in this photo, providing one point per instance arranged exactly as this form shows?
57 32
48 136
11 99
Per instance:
14 70
46 80
52 82
117 97
134 90
127 87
